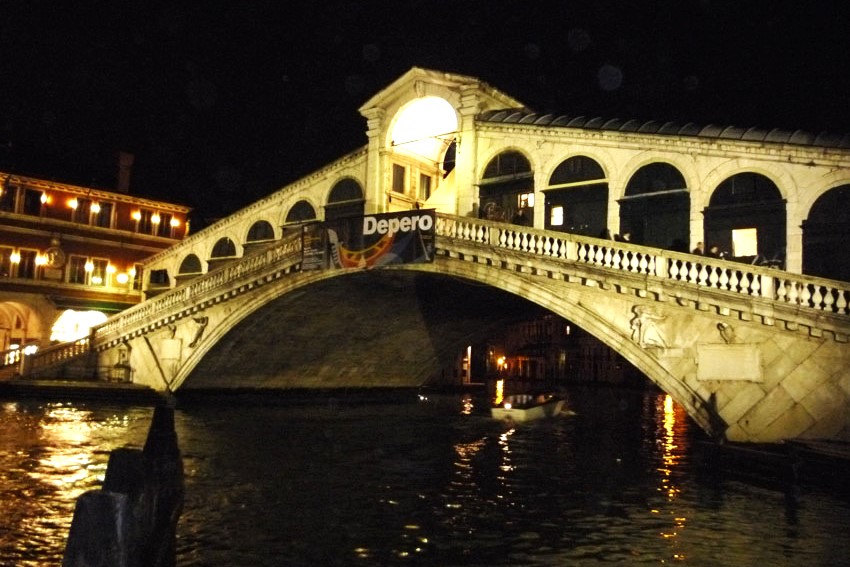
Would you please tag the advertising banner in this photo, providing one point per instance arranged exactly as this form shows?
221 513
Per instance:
369 241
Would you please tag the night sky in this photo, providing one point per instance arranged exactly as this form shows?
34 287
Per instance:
223 102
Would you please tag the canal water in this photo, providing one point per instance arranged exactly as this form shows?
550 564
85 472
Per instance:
421 480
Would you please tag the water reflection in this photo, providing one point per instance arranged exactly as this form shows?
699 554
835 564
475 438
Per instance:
430 482
49 455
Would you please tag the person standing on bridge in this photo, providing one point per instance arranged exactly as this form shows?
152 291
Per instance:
699 250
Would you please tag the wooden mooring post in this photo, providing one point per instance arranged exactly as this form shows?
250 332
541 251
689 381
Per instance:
132 520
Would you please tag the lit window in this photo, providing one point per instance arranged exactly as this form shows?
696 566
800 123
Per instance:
556 216
526 200
745 242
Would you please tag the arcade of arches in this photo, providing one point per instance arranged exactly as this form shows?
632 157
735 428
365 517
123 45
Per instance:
745 217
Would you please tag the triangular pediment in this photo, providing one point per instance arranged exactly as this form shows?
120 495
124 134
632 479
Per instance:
419 82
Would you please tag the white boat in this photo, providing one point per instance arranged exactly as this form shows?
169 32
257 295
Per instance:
527 407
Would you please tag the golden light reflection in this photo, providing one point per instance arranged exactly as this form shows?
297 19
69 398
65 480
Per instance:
670 433
500 391
467 405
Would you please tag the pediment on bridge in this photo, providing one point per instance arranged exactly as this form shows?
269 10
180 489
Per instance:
419 82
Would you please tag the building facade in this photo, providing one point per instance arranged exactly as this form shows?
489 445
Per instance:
70 255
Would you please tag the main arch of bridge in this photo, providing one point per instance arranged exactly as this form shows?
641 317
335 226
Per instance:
726 360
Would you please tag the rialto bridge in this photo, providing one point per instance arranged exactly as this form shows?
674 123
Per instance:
753 346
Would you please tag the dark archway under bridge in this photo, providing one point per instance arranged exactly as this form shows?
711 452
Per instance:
384 327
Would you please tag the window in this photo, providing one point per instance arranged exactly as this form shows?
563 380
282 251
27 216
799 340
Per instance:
27 264
82 212
556 216
526 200
77 269
744 242
102 214
164 226
99 272
424 187
7 197
88 271
399 174
32 202
145 221
6 261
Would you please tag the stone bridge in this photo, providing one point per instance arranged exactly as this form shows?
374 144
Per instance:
754 354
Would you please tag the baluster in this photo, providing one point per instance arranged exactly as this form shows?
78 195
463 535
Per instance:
642 264
582 252
607 258
781 290
828 299
600 255
547 247
712 276
817 298
724 278
694 273
673 269
841 302
805 295
734 281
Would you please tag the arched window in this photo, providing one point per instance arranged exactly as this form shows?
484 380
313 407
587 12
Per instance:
506 191
577 197
224 248
190 265
746 212
300 212
345 200
656 207
826 236
259 231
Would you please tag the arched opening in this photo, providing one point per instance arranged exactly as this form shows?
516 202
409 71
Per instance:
301 211
656 208
19 326
826 236
424 128
745 218
260 231
506 190
191 264
73 325
345 200
224 248
577 197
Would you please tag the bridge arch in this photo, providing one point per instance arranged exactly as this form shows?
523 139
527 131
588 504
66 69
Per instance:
224 247
826 235
576 197
251 319
508 175
191 265
302 211
656 206
346 198
747 201
260 231
422 128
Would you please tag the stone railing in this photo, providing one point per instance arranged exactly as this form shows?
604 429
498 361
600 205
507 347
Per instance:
275 257
744 279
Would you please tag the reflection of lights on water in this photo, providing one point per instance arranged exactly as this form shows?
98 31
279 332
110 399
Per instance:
667 441
467 405
506 466
500 391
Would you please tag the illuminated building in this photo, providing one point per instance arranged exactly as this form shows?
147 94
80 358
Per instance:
69 253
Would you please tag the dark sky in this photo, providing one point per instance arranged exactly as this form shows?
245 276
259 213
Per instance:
224 101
